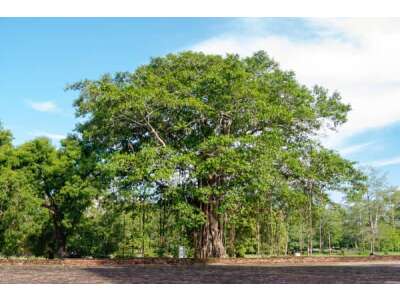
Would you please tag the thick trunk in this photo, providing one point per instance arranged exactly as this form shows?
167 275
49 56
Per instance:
60 240
58 247
210 238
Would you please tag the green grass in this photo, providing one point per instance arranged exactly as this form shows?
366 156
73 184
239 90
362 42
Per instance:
334 253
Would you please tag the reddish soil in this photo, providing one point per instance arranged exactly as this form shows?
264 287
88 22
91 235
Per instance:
285 260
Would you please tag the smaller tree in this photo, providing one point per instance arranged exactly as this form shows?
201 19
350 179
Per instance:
63 180
333 218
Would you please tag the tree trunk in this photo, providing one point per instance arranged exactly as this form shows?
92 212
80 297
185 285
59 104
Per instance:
232 237
309 245
210 238
271 229
329 241
224 231
372 248
162 242
143 221
60 238
320 236
287 241
258 236
310 230
301 239
57 249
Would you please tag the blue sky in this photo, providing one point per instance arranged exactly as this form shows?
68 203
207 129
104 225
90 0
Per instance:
357 57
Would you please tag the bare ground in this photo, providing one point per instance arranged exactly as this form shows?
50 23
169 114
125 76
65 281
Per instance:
387 272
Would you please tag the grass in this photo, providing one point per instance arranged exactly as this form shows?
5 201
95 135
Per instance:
343 253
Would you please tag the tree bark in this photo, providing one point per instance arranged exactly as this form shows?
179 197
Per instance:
329 241
143 221
320 236
210 238
59 234
301 239
310 229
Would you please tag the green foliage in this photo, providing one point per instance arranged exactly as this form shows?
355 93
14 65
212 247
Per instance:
218 154
49 180
215 132
22 217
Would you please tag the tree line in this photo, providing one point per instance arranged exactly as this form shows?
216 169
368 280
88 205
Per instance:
220 155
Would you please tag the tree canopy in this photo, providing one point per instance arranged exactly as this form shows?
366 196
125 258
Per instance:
213 129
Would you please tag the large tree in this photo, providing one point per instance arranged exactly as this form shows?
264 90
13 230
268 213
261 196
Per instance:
206 128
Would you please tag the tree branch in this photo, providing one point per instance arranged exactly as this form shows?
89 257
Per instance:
155 133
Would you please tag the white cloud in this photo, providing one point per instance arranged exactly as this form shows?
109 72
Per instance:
357 57
52 136
47 106
354 148
386 162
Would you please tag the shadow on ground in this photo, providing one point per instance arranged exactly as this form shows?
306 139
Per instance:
249 274
210 274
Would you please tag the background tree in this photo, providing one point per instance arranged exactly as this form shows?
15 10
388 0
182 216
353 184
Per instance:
62 180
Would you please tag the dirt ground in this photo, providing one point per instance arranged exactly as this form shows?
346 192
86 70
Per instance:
194 274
